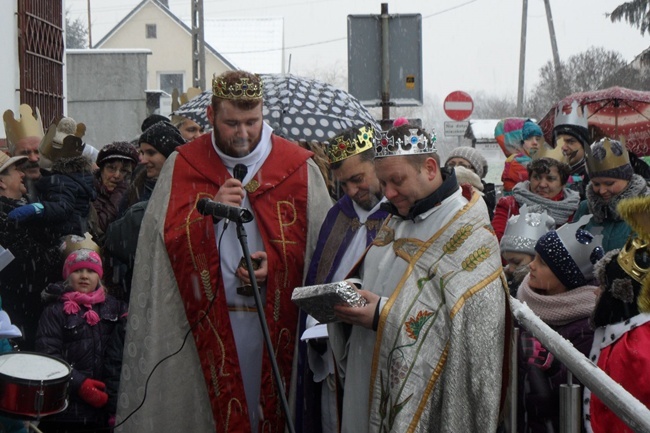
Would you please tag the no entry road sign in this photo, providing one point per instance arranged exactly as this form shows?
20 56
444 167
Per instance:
458 105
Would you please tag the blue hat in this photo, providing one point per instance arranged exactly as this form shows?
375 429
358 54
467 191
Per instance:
571 252
530 129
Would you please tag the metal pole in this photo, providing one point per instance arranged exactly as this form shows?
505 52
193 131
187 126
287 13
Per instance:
385 64
570 405
561 91
198 45
90 33
241 235
522 59
630 410
514 382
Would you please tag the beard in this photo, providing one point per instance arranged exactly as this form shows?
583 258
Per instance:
235 146
368 202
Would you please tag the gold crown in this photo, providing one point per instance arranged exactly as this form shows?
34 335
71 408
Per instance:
606 159
339 148
634 257
27 126
181 99
545 151
63 139
412 144
72 243
242 90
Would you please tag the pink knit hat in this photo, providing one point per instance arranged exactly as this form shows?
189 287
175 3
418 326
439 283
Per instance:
81 259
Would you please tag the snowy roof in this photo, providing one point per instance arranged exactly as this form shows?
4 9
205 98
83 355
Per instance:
481 129
253 44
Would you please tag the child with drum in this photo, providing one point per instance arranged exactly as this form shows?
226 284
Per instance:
75 327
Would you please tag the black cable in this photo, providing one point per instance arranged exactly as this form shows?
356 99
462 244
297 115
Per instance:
207 311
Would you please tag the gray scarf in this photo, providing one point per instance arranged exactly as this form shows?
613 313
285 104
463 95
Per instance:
561 210
560 309
606 210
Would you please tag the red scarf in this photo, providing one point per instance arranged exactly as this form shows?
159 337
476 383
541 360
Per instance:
73 300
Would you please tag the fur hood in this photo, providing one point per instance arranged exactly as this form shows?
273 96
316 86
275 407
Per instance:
76 164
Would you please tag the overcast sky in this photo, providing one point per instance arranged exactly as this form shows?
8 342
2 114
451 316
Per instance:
470 45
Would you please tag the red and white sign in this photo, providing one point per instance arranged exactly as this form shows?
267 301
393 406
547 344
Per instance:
458 105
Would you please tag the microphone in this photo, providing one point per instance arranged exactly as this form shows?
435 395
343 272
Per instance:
239 172
219 210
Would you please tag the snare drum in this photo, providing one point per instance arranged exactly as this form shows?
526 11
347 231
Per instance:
33 385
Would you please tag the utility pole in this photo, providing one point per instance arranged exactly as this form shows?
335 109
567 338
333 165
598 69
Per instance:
198 45
522 59
90 33
385 65
561 91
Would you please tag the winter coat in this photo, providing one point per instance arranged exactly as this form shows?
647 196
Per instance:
66 194
541 400
139 190
113 364
37 263
606 219
514 171
70 338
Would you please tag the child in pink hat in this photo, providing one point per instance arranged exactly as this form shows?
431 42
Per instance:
75 327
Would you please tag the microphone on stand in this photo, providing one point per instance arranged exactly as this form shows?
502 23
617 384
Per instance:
205 206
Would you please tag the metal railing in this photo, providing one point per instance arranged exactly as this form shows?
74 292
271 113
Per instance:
630 410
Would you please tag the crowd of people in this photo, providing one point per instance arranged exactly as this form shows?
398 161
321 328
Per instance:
120 271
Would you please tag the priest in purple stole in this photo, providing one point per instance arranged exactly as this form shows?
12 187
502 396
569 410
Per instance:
350 226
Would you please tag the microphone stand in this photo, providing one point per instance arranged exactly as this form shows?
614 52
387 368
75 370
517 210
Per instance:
241 235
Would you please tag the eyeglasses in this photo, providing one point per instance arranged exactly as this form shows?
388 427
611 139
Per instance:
454 164
116 169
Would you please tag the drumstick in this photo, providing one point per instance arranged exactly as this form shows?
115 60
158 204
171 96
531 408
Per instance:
33 427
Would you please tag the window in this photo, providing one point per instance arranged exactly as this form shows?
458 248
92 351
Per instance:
171 81
150 31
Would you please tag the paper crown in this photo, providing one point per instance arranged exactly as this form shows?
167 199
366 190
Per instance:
242 89
72 243
571 252
27 125
340 148
578 116
634 257
605 158
63 140
523 231
412 144
545 151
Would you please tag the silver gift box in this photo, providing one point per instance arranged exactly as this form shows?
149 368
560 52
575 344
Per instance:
319 300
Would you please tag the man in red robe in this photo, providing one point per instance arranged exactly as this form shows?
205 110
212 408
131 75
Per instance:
193 331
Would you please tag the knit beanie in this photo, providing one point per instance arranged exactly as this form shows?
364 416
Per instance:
580 133
573 270
82 259
530 129
163 137
120 150
152 120
609 158
473 156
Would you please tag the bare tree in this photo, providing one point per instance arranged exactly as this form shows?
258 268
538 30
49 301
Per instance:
593 69
635 12
76 34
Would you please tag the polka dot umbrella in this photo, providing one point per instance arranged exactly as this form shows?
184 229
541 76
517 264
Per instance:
297 108
616 112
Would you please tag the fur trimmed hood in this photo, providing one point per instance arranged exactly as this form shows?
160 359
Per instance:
76 164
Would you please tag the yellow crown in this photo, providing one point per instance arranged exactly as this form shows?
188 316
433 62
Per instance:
549 152
72 243
340 148
28 125
241 90
634 257
605 159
